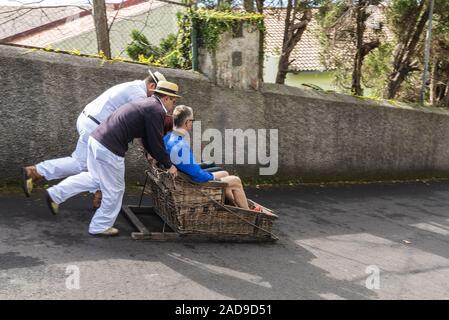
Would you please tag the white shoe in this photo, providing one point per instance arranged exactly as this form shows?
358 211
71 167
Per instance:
53 206
109 232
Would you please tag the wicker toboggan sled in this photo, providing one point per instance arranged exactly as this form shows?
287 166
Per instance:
197 211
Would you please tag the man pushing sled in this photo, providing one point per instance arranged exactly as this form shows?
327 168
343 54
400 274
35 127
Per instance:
106 148
95 113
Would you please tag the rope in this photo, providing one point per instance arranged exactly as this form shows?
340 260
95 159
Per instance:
143 189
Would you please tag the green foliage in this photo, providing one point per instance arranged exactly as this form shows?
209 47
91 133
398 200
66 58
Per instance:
339 43
166 54
343 76
225 6
211 24
402 19
377 67
330 11
402 16
181 57
329 15
168 44
176 50
141 46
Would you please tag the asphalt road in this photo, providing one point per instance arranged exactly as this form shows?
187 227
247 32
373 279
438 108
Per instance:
345 242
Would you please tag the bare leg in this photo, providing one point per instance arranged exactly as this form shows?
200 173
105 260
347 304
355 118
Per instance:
235 189
220 174
230 196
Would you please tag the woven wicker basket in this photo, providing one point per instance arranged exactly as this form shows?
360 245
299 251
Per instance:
189 207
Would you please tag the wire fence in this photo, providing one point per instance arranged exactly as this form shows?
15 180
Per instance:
71 27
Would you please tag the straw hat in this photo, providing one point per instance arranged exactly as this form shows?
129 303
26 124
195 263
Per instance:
157 76
167 88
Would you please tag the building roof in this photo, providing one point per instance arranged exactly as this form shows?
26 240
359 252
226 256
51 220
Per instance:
307 54
72 27
20 20
43 26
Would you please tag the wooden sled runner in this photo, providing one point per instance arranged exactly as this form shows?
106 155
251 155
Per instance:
196 211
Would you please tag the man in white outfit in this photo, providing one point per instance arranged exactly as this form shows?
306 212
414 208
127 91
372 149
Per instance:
107 145
93 114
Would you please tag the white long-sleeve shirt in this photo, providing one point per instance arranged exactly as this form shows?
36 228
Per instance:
113 98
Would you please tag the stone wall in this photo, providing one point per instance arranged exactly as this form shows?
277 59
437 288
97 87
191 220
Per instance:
322 137
235 62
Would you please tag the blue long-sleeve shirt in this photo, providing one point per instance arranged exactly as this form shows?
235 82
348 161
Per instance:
181 156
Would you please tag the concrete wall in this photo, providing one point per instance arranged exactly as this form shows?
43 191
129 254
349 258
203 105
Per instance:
235 62
321 136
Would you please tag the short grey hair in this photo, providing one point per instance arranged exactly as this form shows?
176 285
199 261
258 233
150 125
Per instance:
180 114
149 80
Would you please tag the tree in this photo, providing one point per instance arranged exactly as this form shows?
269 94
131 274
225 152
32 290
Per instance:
408 35
298 16
439 80
248 5
101 27
407 62
363 48
259 8
353 30
395 66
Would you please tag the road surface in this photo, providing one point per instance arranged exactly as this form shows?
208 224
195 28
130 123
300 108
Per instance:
379 241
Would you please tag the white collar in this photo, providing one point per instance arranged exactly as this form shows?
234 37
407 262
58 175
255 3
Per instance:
161 103
143 85
180 131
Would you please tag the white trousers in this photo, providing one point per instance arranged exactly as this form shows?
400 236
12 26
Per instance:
77 162
106 172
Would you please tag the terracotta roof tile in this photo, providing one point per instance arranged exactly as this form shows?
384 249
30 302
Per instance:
307 54
307 51
15 20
